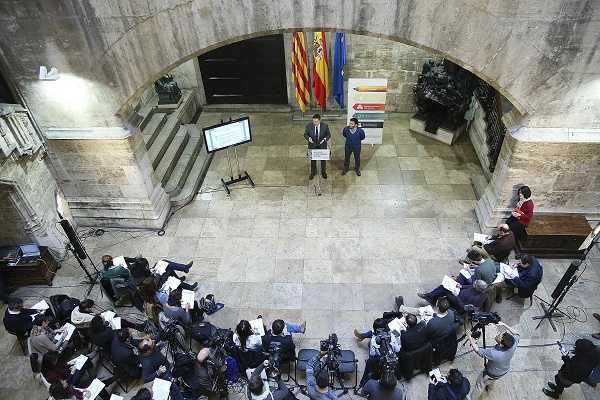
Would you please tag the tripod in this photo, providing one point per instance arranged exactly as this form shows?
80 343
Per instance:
92 279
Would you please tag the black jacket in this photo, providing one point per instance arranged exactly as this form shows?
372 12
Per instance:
324 133
445 391
124 357
103 338
19 324
413 337
578 368
287 349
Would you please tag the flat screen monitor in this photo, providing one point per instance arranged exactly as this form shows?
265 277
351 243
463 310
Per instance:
227 134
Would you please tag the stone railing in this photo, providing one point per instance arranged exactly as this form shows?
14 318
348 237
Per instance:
18 136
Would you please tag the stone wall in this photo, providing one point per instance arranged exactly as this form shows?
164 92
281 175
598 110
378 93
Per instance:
30 188
478 135
108 182
400 64
563 174
13 226
369 57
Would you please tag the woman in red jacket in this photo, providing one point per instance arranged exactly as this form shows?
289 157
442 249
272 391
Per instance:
521 214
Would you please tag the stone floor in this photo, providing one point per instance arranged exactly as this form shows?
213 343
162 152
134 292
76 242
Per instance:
335 260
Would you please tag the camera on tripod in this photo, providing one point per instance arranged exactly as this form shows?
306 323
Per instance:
330 345
389 358
481 319
274 369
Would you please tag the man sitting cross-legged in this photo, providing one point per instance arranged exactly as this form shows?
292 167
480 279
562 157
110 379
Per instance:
498 246
486 271
474 295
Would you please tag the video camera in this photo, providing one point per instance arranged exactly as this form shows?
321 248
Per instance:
389 359
481 319
330 344
274 370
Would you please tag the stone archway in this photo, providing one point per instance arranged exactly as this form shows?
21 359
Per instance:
542 56
532 70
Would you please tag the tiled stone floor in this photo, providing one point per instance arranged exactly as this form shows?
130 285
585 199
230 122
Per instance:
335 260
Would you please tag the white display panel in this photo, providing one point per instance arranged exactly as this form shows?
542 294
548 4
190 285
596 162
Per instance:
231 133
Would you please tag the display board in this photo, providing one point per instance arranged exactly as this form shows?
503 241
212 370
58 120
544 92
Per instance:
227 134
366 102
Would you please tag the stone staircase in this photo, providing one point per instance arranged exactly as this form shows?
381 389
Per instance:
175 147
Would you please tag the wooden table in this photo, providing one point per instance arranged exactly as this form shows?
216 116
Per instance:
555 236
39 272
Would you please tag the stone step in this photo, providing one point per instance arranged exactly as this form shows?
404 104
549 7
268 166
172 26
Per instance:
194 180
186 162
153 128
172 155
163 139
146 111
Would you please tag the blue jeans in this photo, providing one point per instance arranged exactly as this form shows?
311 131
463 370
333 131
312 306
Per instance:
293 328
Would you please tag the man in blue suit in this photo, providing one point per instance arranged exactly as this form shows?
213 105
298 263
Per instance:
354 135
530 276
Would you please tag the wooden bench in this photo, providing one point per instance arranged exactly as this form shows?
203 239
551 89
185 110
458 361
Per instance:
555 236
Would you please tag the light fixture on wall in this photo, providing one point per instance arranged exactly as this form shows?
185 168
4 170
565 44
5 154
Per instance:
46 75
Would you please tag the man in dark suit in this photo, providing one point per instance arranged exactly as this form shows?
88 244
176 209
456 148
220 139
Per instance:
413 337
285 343
317 134
18 320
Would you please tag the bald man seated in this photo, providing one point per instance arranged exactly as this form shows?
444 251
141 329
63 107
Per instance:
498 246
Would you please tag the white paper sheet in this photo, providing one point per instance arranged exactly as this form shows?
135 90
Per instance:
466 273
108 315
479 237
450 285
171 284
397 325
78 361
499 278
425 313
116 323
69 328
160 389
257 326
41 305
160 267
187 298
509 271
115 397
95 388
120 261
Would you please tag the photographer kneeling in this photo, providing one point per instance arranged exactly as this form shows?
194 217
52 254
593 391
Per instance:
258 388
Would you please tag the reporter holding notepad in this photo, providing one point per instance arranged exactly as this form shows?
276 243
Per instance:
521 214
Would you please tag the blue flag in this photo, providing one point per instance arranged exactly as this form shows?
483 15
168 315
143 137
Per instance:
339 60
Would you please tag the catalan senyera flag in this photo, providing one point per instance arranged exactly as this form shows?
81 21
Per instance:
300 70
320 69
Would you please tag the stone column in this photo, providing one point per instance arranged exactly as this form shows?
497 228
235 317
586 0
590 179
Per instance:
107 179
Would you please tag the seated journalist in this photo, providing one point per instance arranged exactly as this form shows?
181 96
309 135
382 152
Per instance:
281 333
471 294
486 271
530 275
18 320
498 246
384 388
454 386
120 280
441 323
